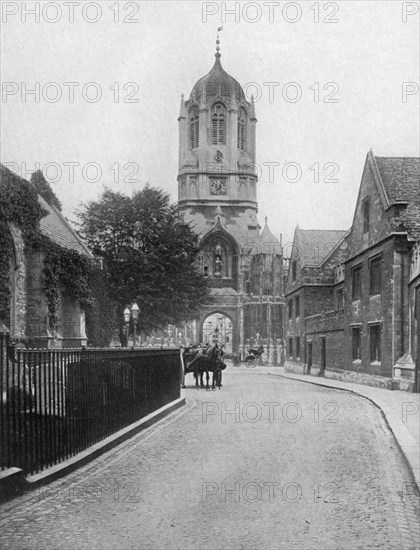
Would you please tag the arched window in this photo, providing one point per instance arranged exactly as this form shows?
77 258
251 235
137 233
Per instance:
241 128
194 126
218 124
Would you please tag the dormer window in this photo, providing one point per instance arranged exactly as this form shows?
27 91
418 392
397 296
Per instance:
194 127
241 128
218 124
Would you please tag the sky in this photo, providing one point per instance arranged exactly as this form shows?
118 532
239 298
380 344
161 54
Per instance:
109 77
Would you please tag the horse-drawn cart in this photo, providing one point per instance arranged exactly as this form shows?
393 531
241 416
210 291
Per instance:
199 359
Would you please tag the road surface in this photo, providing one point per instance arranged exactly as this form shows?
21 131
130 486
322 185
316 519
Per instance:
264 463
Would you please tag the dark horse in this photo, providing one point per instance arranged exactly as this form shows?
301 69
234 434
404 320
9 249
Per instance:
200 360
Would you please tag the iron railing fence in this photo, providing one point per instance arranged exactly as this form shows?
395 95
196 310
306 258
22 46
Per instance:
56 403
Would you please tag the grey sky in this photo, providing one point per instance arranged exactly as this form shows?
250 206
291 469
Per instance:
367 56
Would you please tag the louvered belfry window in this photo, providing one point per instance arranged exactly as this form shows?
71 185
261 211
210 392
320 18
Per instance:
218 124
241 128
194 127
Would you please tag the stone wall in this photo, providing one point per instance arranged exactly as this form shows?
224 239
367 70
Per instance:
345 376
389 308
37 309
326 326
18 279
71 333
32 316
263 315
380 225
361 378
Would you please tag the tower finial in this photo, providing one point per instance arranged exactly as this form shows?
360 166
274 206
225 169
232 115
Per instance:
182 106
266 220
218 54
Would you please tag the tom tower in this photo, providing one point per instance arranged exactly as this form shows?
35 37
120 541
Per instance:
217 193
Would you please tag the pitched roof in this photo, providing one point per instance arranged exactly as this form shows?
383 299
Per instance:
401 178
269 243
58 229
315 245
53 224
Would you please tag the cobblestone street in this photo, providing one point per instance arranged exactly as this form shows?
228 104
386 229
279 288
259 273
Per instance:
265 463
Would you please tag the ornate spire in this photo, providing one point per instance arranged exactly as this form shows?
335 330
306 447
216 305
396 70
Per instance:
252 110
182 106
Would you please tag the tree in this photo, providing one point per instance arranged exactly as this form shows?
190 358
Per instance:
149 253
45 189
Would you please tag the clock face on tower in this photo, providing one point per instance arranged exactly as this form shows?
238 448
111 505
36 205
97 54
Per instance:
218 187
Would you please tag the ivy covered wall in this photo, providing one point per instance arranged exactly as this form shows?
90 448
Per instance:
44 286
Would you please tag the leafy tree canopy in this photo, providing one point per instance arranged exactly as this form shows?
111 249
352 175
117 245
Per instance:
44 189
149 253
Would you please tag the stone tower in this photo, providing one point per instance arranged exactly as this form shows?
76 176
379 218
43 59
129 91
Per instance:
217 193
217 154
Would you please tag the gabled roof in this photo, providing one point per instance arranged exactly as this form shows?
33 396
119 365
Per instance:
53 224
398 182
400 177
315 245
58 229
219 230
269 243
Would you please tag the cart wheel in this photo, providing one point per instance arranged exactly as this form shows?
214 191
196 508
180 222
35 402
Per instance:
251 362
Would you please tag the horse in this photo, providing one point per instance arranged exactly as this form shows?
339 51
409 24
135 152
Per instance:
188 356
200 360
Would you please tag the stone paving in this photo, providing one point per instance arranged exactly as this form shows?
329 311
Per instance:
265 463
401 410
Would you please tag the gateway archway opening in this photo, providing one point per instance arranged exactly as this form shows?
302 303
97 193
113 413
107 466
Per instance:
217 329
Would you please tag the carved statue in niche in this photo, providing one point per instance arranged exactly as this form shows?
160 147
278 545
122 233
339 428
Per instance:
218 260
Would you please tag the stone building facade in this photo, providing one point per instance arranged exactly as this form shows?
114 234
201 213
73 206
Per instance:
314 287
414 310
28 320
365 327
217 193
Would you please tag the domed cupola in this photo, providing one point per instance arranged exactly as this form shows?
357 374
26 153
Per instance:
217 84
217 168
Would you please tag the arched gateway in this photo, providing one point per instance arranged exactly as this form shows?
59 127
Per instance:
218 328
217 193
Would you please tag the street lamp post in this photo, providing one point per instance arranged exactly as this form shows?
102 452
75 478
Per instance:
135 314
127 322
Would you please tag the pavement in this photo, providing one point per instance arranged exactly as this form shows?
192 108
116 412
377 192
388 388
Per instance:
400 409
265 463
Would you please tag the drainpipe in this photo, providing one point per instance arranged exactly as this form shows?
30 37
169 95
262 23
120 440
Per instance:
402 303
417 371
